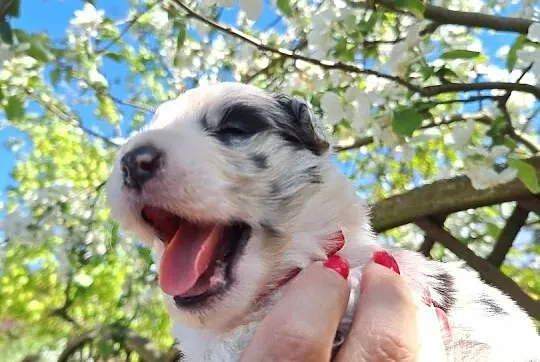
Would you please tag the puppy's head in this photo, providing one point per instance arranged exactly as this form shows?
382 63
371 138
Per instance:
216 185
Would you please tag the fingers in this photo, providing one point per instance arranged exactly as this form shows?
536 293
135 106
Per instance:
384 326
302 325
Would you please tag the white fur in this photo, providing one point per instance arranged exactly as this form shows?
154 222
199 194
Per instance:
205 180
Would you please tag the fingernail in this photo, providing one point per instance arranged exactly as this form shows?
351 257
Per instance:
382 257
338 264
335 243
426 298
443 319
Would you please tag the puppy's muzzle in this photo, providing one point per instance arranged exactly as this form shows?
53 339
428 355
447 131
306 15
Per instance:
140 165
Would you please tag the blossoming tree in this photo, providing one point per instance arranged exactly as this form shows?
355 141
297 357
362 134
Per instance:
438 130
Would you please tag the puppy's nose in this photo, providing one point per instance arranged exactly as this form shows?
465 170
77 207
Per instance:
140 165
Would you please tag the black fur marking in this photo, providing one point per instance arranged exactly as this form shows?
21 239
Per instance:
240 122
314 175
204 123
444 285
298 129
491 305
244 117
270 229
260 160
291 140
275 189
276 194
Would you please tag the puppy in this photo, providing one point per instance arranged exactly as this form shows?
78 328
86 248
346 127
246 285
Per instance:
234 189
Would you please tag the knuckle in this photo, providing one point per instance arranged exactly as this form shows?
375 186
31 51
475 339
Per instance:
385 346
390 347
296 343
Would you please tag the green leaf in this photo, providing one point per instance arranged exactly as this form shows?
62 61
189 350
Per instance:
181 38
511 59
117 57
406 121
415 7
39 45
55 76
526 173
14 8
5 32
459 54
285 7
14 108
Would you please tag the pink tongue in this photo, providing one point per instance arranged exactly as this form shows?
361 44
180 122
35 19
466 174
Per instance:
187 256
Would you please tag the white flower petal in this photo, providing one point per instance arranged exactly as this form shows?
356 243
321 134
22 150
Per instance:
226 3
95 77
534 32
331 106
462 134
507 175
499 151
253 8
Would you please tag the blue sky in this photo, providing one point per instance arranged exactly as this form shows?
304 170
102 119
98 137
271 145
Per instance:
52 17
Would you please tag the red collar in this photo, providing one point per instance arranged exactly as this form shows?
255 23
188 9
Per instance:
334 244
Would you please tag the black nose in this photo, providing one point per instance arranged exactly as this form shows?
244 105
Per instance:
140 165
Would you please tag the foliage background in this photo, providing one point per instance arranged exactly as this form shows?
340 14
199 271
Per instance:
411 93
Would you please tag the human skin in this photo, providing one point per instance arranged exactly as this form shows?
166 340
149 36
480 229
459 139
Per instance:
302 324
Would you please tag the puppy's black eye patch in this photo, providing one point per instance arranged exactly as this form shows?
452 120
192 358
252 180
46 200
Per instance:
239 122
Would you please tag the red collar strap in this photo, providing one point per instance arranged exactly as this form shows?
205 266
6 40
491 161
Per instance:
334 243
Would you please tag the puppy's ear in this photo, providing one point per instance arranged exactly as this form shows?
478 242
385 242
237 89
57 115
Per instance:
302 128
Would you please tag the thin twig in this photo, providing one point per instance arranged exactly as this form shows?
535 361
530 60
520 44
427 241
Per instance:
139 106
71 120
510 130
479 117
352 68
129 25
444 16
326 64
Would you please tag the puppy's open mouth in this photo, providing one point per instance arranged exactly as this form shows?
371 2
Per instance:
198 258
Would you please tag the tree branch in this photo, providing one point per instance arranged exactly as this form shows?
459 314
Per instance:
487 272
326 64
443 16
444 197
127 338
429 241
479 117
129 25
352 68
504 243
531 204
358 142
138 106
65 117
468 87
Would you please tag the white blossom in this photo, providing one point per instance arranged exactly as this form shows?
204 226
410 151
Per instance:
6 53
358 107
224 3
96 78
529 55
160 19
385 136
534 32
319 38
499 151
332 108
461 135
253 8
87 19
483 176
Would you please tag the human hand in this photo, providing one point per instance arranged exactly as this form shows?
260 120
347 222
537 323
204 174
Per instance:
302 324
